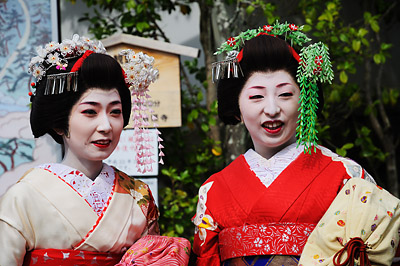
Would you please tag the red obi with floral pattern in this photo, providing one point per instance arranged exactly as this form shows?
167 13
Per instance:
263 239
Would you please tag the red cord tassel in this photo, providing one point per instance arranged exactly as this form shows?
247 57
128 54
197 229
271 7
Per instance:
355 249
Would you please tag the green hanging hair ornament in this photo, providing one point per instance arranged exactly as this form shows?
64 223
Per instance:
314 66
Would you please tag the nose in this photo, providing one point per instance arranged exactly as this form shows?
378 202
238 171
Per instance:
271 108
104 123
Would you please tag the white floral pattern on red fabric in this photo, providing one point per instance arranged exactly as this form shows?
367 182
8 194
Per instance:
96 192
264 239
202 220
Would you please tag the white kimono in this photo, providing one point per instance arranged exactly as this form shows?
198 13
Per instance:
43 211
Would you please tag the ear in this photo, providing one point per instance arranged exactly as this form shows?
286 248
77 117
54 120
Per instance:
59 131
239 119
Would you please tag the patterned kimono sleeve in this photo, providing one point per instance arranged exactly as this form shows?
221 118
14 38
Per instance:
205 244
361 213
142 195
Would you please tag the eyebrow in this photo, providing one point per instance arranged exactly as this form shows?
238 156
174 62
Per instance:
278 85
256 87
96 103
284 84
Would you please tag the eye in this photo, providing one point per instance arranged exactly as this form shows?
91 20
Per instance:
116 111
89 112
256 97
286 94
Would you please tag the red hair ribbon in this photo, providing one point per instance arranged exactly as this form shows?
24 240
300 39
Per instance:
355 249
79 63
294 53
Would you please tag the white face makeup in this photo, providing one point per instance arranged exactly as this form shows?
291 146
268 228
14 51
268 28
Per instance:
95 126
269 104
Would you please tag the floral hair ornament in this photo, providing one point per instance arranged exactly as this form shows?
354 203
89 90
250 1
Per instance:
138 70
58 54
314 66
140 73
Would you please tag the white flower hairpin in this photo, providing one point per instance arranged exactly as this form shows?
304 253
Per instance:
140 73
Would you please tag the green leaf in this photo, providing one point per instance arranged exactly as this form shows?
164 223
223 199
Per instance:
174 208
362 32
394 95
141 26
367 16
179 229
385 96
307 28
377 59
366 154
331 6
200 96
212 121
375 26
365 42
385 46
365 131
205 127
346 50
140 8
322 17
335 96
193 115
356 44
343 76
131 4
341 152
250 9
334 39
127 21
348 146
320 25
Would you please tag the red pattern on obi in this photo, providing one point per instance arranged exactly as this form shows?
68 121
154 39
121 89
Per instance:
67 257
263 239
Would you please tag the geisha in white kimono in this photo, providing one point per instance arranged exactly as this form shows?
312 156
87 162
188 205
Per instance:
81 211
58 207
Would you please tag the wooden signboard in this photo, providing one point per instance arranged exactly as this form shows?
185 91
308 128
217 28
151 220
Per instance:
165 92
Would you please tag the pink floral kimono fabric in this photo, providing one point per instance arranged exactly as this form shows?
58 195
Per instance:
361 212
153 250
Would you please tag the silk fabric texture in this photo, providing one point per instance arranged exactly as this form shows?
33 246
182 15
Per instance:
41 211
362 210
238 216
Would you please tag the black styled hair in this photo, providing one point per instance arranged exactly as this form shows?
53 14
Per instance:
51 112
264 53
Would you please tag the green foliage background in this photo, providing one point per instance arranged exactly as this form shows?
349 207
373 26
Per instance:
360 106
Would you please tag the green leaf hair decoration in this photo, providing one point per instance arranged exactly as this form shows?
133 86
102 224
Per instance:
314 67
289 31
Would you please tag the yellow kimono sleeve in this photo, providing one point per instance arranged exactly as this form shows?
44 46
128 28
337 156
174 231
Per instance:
360 210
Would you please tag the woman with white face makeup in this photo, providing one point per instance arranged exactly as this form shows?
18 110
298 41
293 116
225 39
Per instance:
80 211
261 209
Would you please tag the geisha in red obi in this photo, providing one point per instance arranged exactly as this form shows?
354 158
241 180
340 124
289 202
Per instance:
80 211
261 209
